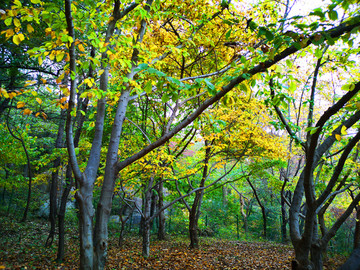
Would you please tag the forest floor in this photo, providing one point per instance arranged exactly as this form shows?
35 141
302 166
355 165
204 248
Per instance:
22 247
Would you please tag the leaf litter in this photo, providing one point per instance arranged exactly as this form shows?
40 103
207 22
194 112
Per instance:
22 247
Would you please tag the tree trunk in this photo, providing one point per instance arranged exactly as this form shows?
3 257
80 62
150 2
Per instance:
84 197
243 214
53 203
316 255
263 209
195 208
146 214
122 233
284 220
357 229
193 226
161 231
302 261
10 200
61 215
146 239
54 185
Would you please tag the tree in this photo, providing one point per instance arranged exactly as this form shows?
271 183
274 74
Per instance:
323 131
132 61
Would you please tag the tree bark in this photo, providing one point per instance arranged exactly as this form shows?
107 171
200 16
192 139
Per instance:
195 208
263 209
161 230
146 215
357 228
54 184
86 214
61 215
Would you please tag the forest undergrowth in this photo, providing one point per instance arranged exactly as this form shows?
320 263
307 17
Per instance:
22 247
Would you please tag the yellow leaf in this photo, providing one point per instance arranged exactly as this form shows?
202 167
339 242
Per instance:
27 112
4 92
21 37
37 114
36 1
12 95
17 3
43 80
29 28
358 105
343 130
20 104
67 58
101 71
34 93
27 83
60 56
17 22
62 100
8 21
88 82
16 39
49 89
9 33
40 60
338 137
44 115
81 48
65 106
39 100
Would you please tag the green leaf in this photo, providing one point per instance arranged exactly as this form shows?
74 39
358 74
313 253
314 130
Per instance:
297 45
348 87
318 53
142 66
156 72
227 35
210 87
165 98
173 80
333 15
312 130
148 87
265 32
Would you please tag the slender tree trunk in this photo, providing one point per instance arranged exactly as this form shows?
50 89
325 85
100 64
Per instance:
84 197
243 214
263 209
357 229
105 202
54 185
195 208
53 203
28 167
146 239
61 215
283 221
194 239
29 187
3 193
10 200
154 199
122 233
161 231
146 225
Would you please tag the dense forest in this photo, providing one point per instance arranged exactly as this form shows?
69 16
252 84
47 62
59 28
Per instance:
150 120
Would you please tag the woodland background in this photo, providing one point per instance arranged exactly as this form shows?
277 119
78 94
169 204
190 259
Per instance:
125 122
